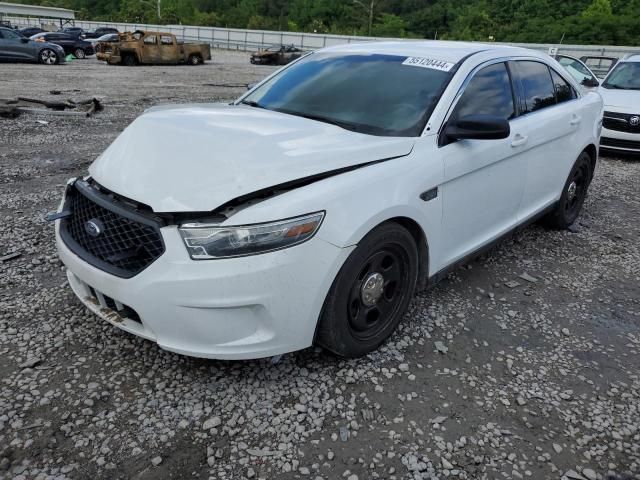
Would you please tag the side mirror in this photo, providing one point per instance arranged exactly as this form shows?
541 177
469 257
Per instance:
24 40
476 127
590 82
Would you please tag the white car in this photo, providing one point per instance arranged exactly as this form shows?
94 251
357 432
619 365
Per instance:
620 91
579 71
307 211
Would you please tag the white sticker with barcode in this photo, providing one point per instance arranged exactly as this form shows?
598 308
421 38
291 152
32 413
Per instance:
429 63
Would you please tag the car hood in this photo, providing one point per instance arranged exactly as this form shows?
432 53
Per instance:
629 100
198 157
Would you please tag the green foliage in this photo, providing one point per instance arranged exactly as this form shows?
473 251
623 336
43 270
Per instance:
545 21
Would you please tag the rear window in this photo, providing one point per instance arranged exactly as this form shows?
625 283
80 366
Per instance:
538 89
564 91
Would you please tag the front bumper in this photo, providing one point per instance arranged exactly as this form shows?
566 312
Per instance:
622 142
238 308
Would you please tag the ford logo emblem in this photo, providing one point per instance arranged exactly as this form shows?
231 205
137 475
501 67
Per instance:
634 121
93 227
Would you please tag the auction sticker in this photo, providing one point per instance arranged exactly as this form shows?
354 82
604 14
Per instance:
428 63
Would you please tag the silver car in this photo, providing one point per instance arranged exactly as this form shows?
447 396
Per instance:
17 48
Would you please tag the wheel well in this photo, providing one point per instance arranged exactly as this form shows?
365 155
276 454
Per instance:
423 247
593 153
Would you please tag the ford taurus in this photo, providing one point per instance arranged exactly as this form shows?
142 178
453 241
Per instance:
310 209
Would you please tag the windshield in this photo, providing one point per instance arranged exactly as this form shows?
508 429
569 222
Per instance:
386 95
624 76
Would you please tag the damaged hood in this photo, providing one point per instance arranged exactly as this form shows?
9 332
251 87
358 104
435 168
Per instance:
198 157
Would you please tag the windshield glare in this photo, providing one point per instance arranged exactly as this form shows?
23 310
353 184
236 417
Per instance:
368 93
624 76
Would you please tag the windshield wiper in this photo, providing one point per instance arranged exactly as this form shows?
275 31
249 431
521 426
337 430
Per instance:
618 87
319 118
252 103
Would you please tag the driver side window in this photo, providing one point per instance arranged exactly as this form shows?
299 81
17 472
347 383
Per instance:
151 40
489 92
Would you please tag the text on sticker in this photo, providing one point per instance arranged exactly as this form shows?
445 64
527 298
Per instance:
428 63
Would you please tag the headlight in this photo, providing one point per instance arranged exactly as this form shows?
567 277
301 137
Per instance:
208 242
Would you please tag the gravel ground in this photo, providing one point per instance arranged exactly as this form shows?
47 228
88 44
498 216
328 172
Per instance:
522 364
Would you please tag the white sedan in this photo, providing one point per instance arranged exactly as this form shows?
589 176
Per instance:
620 91
309 210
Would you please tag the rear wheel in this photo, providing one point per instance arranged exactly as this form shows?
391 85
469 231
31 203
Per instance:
79 53
194 60
370 293
48 56
573 194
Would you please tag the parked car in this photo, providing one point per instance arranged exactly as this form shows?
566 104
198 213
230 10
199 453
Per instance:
100 32
276 55
30 31
155 48
70 44
307 211
73 31
600 65
107 38
15 47
579 71
620 91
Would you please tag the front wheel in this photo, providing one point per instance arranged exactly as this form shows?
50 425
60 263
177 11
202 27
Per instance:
370 293
48 56
129 61
574 194
79 53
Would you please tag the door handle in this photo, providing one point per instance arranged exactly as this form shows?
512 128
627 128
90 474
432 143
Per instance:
519 140
575 120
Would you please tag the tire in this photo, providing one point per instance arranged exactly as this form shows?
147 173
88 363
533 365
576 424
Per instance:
574 193
194 60
129 61
371 292
79 53
48 56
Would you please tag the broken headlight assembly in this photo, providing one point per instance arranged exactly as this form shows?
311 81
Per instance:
214 241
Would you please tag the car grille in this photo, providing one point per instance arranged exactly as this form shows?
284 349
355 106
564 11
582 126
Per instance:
620 122
617 143
126 242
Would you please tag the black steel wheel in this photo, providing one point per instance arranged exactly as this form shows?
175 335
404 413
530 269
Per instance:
574 194
370 293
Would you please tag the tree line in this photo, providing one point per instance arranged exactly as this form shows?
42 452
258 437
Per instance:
606 22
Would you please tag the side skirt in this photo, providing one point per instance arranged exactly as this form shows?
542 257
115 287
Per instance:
438 276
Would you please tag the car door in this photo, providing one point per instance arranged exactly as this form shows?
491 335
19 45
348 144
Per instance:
65 41
549 123
483 179
150 49
168 49
5 52
12 46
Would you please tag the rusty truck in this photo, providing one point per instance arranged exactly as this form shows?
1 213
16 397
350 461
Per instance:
154 48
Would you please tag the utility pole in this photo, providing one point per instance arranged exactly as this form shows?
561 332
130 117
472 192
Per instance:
368 8
159 15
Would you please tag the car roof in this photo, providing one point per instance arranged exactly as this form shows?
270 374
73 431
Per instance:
634 57
443 50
